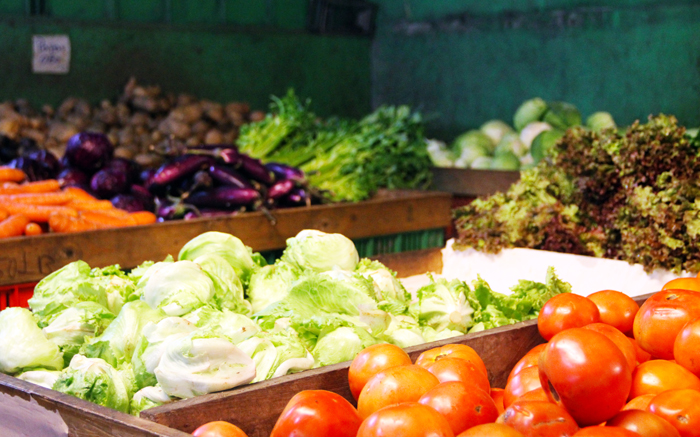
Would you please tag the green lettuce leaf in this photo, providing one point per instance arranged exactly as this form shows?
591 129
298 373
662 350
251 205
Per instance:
23 345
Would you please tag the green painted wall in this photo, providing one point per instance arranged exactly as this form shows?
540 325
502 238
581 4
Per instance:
466 62
218 49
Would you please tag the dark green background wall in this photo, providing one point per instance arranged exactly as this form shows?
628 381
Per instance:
218 49
471 61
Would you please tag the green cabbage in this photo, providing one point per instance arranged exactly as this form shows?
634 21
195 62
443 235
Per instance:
505 161
228 287
496 130
599 121
531 131
320 252
529 111
23 345
176 288
473 139
471 154
562 115
440 154
482 163
226 246
544 142
511 143
270 284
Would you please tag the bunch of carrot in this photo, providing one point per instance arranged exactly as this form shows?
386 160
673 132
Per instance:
33 208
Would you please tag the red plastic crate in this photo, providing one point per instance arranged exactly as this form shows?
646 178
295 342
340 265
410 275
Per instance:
16 295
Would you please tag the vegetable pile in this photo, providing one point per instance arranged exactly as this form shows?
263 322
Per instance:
347 158
633 196
218 317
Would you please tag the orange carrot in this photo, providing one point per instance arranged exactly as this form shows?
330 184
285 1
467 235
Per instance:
114 212
33 229
100 218
90 205
37 213
13 226
12 174
64 223
59 198
143 217
4 214
79 194
47 186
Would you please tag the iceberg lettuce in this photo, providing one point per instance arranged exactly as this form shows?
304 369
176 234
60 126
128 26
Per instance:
230 248
320 252
23 346
176 288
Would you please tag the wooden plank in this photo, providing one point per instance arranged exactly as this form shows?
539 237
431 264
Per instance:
29 259
28 409
414 262
468 182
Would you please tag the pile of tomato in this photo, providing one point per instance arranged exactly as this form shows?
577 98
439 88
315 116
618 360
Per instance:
609 368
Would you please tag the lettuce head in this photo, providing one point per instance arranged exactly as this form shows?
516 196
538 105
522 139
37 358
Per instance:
228 289
277 353
23 346
443 305
230 248
341 344
177 288
270 284
42 377
148 397
320 252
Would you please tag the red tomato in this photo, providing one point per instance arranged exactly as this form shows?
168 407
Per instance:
662 317
537 394
680 408
312 413
692 284
409 419
393 386
643 423
529 360
463 405
564 311
539 419
491 430
686 348
461 351
604 431
642 355
617 337
527 380
373 360
454 369
657 376
497 396
587 374
639 403
218 429
616 309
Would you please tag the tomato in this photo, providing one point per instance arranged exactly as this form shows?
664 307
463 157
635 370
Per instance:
662 317
642 355
541 419
656 376
686 348
643 423
461 351
313 413
604 431
409 419
564 311
587 374
394 386
616 309
454 369
219 429
692 284
680 408
373 360
463 405
617 337
639 403
525 381
537 394
491 430
529 360
497 396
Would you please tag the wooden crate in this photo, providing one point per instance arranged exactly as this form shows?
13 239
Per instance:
472 183
29 259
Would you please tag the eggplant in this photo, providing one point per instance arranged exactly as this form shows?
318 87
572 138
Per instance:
8 149
146 175
72 177
89 151
283 171
280 189
144 196
254 169
35 170
109 182
126 166
224 197
227 153
128 202
296 197
228 176
177 170
169 210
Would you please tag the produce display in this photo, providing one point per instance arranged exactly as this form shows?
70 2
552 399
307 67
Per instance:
631 196
218 317
537 126
588 379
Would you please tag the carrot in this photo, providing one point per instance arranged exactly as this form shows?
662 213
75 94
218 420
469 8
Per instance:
13 226
90 205
33 229
79 194
143 217
99 218
65 223
3 214
37 213
12 174
47 186
58 198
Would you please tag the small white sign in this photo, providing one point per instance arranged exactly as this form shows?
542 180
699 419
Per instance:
51 54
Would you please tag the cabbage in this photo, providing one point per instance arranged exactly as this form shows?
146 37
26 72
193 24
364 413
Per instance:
277 353
600 121
443 305
562 115
176 288
23 345
544 142
148 397
320 252
511 143
505 161
529 111
341 344
42 377
473 139
94 380
228 289
70 328
117 343
193 366
496 130
270 284
482 163
440 154
230 248
530 132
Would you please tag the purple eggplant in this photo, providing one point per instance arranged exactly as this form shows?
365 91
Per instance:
108 183
280 189
145 196
146 175
283 171
169 210
47 159
128 202
126 166
227 153
177 170
296 197
228 176
255 170
35 170
224 197
89 151
72 177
